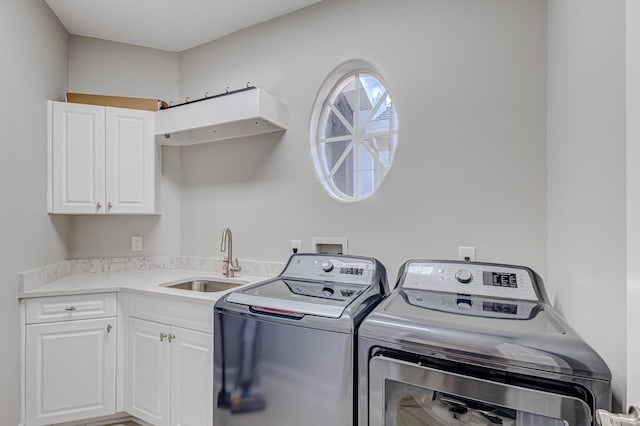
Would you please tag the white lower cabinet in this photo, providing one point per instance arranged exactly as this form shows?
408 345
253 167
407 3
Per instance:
70 370
158 367
149 366
170 374
191 378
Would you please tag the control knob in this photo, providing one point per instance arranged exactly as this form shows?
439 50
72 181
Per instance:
327 291
464 276
464 305
327 266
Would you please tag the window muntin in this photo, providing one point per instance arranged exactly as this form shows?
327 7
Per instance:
356 137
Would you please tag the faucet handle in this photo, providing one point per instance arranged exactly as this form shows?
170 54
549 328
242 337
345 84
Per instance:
235 266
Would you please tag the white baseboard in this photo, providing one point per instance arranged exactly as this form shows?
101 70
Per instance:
105 421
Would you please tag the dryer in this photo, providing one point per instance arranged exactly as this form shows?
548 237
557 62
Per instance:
475 343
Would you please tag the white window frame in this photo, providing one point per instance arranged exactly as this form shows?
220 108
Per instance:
332 83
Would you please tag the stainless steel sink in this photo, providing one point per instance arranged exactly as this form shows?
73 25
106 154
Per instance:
207 286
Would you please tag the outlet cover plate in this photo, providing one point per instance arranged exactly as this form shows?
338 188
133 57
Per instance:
136 243
467 253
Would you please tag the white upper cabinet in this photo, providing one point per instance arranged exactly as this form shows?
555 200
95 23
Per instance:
102 160
76 154
130 161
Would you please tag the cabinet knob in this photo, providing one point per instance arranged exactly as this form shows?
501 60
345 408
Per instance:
109 328
109 205
162 336
70 308
171 337
98 205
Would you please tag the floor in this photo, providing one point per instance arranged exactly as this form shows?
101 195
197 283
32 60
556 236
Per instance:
125 424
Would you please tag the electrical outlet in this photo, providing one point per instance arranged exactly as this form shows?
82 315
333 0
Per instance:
136 243
467 253
296 245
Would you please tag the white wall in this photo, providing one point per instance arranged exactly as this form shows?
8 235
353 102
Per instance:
117 69
470 83
586 173
109 68
34 69
633 200
468 80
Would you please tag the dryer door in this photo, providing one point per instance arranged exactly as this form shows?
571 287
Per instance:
407 394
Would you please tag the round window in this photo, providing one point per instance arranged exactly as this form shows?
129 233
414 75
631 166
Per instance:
354 134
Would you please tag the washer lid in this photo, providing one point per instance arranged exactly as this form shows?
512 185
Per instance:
323 299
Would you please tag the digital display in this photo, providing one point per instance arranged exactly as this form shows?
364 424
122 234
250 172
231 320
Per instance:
503 308
351 271
499 279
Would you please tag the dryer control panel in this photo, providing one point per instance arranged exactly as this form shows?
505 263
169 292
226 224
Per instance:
479 306
471 278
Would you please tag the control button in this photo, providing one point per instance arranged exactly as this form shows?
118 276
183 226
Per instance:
464 306
327 266
441 271
464 276
327 291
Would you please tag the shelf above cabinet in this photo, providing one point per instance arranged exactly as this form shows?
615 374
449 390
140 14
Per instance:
248 113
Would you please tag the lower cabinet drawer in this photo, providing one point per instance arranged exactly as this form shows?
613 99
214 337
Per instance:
66 308
191 315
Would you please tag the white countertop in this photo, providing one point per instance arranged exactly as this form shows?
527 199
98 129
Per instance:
150 282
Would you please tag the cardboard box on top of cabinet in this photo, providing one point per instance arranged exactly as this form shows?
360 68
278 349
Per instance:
117 101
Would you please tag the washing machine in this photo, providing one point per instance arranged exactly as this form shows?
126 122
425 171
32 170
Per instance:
470 343
285 349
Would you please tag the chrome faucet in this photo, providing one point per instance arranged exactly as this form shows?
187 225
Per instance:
226 244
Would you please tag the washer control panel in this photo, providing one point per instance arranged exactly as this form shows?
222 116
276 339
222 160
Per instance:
335 291
338 269
478 279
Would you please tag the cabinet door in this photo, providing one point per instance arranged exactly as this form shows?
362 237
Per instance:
191 378
148 371
77 148
70 371
130 167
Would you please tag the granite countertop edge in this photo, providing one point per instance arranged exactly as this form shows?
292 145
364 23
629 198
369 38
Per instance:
60 279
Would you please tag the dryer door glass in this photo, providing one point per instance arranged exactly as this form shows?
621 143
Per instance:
403 393
407 405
